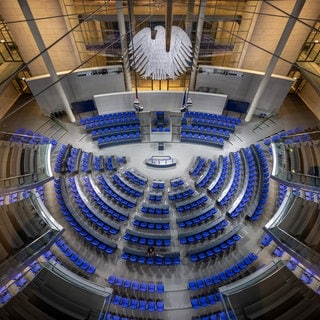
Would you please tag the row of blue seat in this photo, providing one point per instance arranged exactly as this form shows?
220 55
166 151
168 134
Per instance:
209 172
119 139
192 204
155 197
203 216
86 162
205 300
160 129
250 186
107 209
220 315
142 259
111 163
111 123
135 178
19 280
95 134
181 195
125 187
235 182
88 213
197 166
135 304
17 196
149 208
202 139
214 123
282 190
199 236
74 159
211 116
114 316
156 184
266 240
225 165
264 184
113 195
98 163
151 225
194 128
107 116
216 250
75 225
278 251
28 136
60 158
149 287
292 264
283 135
307 277
75 258
226 275
5 295
176 182
147 240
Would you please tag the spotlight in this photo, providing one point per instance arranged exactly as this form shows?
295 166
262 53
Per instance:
185 107
136 105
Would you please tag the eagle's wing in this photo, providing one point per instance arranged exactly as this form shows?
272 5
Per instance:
140 42
181 50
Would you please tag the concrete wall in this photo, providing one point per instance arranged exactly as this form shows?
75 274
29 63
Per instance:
267 31
159 101
63 54
311 98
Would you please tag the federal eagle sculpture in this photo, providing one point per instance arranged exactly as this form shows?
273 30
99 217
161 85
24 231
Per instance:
150 58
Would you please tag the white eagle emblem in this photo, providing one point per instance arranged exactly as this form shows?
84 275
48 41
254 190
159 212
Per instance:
151 59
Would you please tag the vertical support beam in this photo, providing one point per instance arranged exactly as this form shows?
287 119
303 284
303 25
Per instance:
124 45
196 50
189 18
169 20
277 52
132 18
46 58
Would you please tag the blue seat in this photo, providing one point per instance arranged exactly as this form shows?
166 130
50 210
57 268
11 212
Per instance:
160 306
112 279
133 258
126 283
160 287
195 303
142 305
119 281
125 302
200 284
143 287
151 306
192 285
203 301
151 287
134 304
116 300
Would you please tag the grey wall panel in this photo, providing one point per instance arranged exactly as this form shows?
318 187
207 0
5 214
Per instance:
241 85
79 85
160 101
